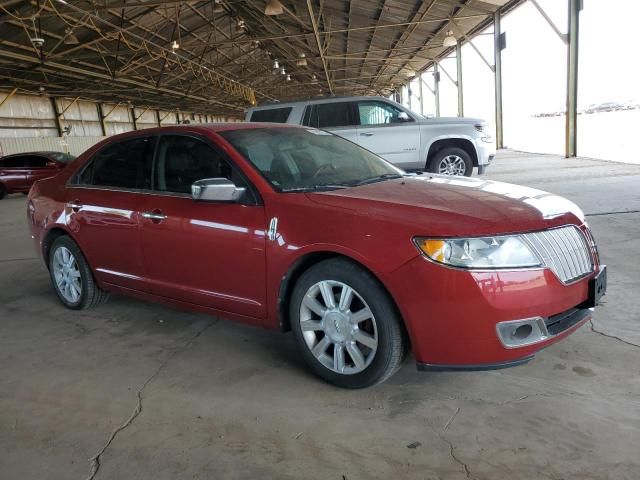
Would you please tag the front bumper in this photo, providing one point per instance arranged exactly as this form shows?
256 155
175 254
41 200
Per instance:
486 152
452 315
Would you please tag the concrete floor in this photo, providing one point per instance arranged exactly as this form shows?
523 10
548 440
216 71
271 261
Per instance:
163 394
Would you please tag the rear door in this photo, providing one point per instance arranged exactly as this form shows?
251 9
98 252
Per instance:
13 174
102 208
382 131
39 167
337 117
205 253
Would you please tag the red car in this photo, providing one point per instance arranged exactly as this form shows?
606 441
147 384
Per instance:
18 172
294 228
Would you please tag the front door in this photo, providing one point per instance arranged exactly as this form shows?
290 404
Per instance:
102 210
337 117
38 168
383 132
205 253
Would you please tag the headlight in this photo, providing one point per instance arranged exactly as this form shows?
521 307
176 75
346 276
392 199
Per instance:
486 252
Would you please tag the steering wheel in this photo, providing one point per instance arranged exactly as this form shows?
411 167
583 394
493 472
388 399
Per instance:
327 167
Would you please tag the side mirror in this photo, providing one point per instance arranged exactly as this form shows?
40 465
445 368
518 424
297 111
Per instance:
216 190
404 117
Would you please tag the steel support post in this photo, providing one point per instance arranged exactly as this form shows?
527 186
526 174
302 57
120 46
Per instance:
497 50
56 114
8 97
134 120
436 87
459 79
101 117
571 141
420 90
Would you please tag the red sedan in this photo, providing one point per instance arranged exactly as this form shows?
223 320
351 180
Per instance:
297 229
18 172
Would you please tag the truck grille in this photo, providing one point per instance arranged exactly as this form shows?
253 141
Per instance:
564 250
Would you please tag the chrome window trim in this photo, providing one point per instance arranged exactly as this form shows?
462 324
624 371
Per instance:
131 190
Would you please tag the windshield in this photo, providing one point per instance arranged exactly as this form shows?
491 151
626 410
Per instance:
62 157
299 159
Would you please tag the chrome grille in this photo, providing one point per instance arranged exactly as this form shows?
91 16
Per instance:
564 250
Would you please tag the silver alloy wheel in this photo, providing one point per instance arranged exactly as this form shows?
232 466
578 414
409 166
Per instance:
452 165
338 327
67 275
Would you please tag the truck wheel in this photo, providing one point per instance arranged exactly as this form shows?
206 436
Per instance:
346 326
451 161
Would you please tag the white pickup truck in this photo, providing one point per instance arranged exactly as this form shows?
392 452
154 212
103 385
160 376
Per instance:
451 146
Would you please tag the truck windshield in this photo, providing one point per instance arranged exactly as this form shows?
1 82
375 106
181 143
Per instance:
307 159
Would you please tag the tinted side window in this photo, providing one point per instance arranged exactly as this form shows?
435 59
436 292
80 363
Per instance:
377 113
276 115
125 164
181 161
325 115
14 162
37 162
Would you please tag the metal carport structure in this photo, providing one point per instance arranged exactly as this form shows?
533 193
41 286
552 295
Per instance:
219 55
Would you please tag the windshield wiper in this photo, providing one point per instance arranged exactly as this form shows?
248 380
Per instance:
379 178
316 188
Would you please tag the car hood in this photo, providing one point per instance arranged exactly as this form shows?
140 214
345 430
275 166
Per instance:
450 121
440 205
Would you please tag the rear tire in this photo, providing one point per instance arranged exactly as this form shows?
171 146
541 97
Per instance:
72 277
451 161
347 328
3 192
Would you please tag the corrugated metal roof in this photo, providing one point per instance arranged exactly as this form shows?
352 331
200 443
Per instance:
225 58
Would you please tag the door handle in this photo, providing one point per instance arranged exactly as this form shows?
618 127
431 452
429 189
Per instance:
156 216
367 134
75 205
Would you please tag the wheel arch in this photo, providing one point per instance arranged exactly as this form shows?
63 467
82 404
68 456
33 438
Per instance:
301 265
50 236
459 142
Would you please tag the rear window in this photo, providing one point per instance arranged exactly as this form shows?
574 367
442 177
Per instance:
126 164
326 115
62 157
274 115
13 162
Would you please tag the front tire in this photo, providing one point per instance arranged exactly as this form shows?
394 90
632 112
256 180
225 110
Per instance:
346 326
451 161
3 192
71 276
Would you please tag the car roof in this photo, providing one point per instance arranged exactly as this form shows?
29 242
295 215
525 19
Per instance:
316 100
38 153
197 128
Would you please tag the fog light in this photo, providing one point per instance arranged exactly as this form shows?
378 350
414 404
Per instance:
522 332
519 333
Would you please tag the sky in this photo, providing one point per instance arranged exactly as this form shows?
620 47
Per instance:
535 60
